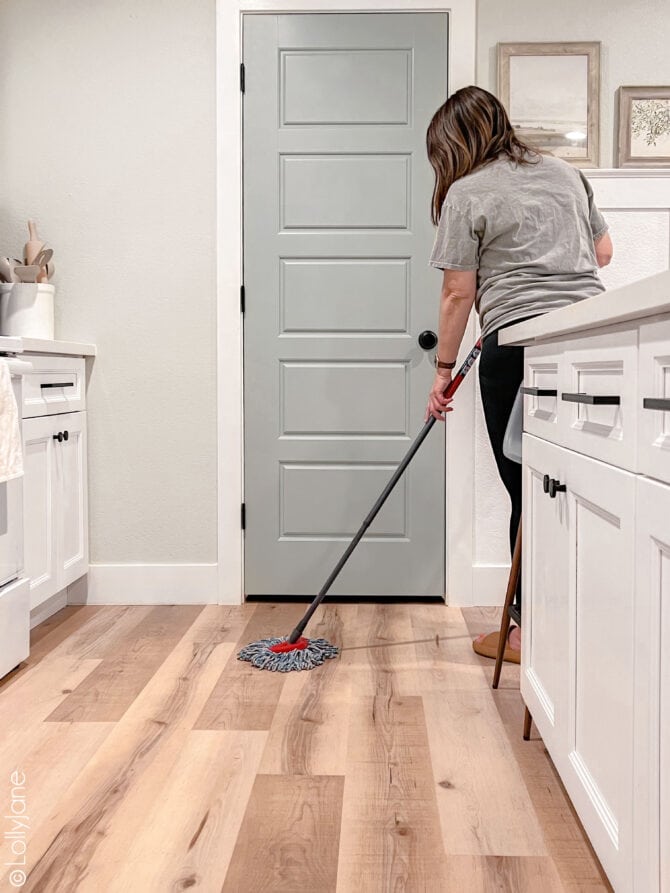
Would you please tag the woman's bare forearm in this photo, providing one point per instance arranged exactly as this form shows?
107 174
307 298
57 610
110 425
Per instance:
456 300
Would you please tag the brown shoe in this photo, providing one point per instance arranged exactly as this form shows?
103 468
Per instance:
487 646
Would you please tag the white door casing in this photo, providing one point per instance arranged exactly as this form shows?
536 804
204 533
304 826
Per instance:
462 39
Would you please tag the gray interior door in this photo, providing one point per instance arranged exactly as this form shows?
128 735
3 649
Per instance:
336 242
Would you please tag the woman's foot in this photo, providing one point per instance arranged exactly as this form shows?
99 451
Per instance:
487 645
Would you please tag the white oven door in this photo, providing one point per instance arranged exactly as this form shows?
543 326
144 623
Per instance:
11 530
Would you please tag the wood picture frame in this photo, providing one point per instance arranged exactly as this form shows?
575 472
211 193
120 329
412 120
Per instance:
644 131
552 95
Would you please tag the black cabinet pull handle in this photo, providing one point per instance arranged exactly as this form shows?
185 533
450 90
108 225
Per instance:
59 437
539 392
556 487
545 483
656 403
592 399
66 435
57 384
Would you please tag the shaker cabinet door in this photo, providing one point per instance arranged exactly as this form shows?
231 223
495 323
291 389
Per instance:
652 697
73 545
599 770
40 495
544 651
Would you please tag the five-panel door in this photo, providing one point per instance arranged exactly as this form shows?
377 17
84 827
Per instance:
337 236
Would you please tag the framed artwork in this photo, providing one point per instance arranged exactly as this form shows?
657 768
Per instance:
552 95
644 127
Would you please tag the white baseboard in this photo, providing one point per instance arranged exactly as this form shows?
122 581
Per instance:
147 584
489 584
47 608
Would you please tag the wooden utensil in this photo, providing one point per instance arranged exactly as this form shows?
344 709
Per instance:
33 246
27 272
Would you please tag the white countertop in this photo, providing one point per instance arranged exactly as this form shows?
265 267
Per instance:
646 297
39 345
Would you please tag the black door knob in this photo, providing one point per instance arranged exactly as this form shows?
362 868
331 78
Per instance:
66 435
545 483
427 340
59 437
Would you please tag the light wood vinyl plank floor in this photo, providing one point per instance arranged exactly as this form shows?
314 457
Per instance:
155 761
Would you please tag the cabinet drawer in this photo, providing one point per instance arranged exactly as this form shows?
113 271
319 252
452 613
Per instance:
541 386
56 384
597 412
653 407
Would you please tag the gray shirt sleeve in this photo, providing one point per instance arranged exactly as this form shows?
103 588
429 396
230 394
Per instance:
596 219
456 244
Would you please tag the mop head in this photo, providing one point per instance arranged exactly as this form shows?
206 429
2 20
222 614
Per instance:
281 656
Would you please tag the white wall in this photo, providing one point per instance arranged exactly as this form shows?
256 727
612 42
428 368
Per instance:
107 116
635 43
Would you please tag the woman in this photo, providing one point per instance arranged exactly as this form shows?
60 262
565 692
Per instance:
518 235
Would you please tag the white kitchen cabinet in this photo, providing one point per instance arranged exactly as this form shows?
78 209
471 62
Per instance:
545 684
595 658
55 503
652 687
577 681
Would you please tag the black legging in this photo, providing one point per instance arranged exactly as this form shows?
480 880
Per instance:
500 375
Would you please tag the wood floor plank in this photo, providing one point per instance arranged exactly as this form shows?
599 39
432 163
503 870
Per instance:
106 694
483 802
24 706
378 649
51 759
188 833
390 826
290 835
93 824
502 874
443 646
245 698
309 730
566 842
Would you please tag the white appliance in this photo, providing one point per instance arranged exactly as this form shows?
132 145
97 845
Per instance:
14 586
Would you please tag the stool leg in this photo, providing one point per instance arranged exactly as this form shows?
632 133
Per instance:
527 723
509 598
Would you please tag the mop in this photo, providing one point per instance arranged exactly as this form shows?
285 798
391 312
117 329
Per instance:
296 652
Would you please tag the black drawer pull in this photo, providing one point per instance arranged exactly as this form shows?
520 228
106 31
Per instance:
66 435
540 392
57 384
656 403
556 487
59 437
592 399
546 480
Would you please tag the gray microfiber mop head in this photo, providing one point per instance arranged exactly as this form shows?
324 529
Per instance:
315 653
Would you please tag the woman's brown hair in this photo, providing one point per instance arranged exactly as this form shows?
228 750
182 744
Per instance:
469 130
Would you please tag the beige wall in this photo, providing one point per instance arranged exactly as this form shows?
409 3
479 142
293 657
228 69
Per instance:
635 41
107 116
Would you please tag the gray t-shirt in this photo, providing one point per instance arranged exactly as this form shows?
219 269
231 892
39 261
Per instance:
528 230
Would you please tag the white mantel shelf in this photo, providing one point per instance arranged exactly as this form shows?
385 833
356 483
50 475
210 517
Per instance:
39 345
607 309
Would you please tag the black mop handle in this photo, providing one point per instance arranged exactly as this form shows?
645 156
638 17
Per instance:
398 473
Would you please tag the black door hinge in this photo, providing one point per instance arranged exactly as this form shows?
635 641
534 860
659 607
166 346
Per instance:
242 77
242 299
243 516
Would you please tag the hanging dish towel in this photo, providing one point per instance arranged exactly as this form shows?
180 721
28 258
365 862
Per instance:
11 455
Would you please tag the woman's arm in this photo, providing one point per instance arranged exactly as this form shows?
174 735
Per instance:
459 288
604 250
